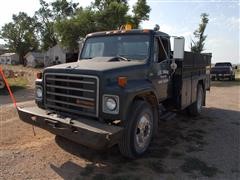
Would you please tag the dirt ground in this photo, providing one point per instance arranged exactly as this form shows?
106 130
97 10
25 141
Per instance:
205 147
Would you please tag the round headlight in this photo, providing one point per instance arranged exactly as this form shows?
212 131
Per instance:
39 93
111 104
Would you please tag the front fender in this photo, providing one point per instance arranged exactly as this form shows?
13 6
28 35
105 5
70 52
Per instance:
127 95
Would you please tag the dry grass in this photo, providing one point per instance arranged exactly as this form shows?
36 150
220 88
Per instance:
24 75
16 84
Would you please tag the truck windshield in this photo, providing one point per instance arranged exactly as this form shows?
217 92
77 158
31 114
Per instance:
131 47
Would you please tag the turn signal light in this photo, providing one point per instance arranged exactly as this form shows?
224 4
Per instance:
122 81
39 75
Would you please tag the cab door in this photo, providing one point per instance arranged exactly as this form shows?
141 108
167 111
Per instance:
161 71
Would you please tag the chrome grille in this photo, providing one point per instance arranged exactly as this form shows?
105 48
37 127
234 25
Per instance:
72 93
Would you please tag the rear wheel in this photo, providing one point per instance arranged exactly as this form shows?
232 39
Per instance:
138 130
196 108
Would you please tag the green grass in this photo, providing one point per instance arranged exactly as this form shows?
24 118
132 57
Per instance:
16 84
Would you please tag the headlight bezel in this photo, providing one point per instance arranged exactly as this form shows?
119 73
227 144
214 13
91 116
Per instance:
38 87
105 108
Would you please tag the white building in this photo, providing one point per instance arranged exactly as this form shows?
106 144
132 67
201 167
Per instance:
3 49
34 59
59 55
54 55
9 58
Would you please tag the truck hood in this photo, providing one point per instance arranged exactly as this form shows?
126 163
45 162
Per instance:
98 64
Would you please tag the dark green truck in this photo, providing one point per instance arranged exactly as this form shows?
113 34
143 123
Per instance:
123 84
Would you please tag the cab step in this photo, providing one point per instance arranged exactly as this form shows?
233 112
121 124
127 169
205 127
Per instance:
167 116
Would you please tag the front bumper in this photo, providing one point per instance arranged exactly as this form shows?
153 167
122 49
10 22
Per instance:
220 75
84 131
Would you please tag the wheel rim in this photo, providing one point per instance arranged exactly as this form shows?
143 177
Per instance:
199 101
143 133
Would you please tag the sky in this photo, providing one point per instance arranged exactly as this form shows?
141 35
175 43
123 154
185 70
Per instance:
175 17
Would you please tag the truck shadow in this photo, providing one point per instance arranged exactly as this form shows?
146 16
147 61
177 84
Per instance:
178 142
20 95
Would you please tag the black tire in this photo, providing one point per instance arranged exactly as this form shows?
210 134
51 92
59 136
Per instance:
130 145
196 108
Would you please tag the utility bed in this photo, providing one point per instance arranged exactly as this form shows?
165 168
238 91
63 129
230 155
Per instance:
192 68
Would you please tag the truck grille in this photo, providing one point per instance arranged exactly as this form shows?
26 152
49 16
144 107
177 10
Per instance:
72 93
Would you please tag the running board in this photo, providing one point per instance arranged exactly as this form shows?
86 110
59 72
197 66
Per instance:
167 116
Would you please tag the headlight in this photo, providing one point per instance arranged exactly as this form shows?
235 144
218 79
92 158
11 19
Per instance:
39 92
110 104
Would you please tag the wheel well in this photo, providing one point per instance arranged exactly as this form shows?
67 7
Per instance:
148 97
151 98
201 83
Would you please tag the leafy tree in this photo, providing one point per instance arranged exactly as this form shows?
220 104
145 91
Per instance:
20 35
141 12
63 8
110 14
45 20
198 45
48 15
101 15
70 30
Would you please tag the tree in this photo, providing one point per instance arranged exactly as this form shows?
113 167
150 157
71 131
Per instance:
141 12
70 30
110 14
20 35
44 17
101 15
198 45
63 8
48 15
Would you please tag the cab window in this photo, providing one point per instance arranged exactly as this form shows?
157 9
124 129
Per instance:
161 49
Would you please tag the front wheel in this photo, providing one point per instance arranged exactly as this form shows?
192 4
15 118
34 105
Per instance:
196 108
138 130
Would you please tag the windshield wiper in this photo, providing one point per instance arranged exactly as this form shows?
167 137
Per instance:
123 58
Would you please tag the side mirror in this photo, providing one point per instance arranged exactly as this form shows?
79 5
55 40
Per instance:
236 67
178 50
